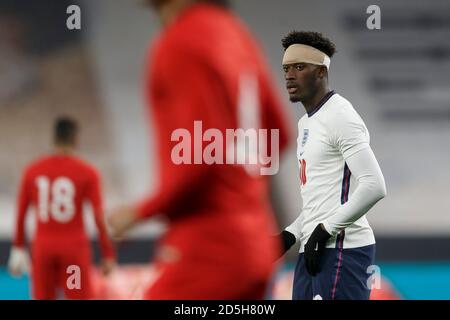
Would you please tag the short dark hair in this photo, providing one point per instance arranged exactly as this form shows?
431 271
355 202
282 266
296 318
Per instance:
310 38
65 131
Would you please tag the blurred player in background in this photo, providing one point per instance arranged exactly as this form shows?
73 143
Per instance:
339 175
56 186
206 67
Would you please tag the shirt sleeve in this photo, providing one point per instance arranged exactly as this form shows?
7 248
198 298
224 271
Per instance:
23 202
183 90
94 195
370 189
348 133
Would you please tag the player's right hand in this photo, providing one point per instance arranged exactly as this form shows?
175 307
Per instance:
107 266
19 262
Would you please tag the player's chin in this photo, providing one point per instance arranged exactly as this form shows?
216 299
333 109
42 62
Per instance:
294 98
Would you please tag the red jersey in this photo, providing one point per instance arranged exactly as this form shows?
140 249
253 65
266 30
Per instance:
207 67
57 186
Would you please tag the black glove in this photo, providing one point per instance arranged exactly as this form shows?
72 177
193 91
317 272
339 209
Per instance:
287 240
314 249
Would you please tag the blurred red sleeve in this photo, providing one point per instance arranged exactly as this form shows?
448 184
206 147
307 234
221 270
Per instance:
182 90
277 115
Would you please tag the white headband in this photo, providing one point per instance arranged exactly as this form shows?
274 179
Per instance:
298 53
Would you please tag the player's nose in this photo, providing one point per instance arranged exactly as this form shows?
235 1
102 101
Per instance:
289 74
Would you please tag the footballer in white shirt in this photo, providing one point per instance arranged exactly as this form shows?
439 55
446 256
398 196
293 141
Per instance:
339 176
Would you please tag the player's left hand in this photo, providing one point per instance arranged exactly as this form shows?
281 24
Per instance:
121 220
19 262
314 249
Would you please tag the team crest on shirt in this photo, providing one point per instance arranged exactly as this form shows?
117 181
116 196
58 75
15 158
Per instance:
305 137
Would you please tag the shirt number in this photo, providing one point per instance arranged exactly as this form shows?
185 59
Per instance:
55 199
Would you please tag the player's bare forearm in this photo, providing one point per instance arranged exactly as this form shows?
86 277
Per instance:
121 220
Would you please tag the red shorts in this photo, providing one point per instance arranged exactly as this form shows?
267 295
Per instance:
215 256
65 266
205 282
203 273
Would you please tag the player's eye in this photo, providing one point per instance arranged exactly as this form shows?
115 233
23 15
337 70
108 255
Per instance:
285 68
299 67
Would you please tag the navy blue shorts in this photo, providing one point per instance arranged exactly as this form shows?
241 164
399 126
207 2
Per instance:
343 275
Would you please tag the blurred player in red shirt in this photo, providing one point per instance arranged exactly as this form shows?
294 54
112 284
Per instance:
207 74
57 186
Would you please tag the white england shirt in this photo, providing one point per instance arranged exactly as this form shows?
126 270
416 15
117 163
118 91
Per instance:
326 138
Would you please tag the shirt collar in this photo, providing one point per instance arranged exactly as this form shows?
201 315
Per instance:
321 103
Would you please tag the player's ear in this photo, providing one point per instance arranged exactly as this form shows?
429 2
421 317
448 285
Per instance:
322 72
